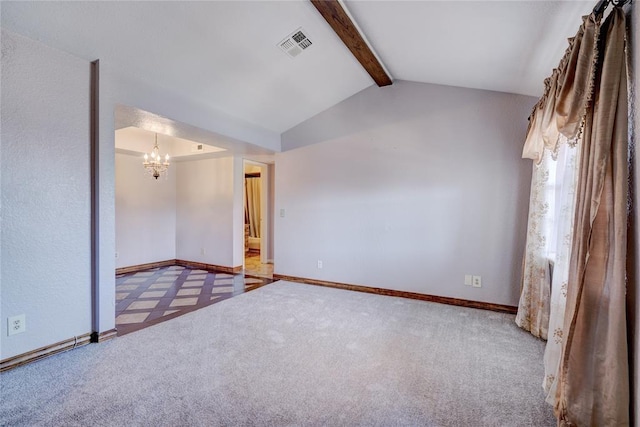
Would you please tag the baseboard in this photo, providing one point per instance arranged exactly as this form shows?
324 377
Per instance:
411 295
143 267
209 267
42 352
182 262
104 336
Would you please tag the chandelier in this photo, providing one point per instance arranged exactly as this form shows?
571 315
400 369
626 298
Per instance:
153 163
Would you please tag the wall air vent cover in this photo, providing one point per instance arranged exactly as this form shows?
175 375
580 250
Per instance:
295 43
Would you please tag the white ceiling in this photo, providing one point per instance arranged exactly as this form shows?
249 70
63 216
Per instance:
506 46
135 129
224 53
137 141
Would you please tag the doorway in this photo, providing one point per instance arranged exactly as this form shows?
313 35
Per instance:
257 227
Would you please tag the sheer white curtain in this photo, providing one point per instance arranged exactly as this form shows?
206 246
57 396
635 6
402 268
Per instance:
551 210
564 193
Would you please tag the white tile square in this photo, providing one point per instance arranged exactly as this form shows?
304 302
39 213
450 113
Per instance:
153 294
131 318
171 273
197 283
185 292
142 305
222 290
161 285
182 302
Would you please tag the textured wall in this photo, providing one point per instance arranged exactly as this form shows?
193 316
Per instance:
145 213
205 211
408 187
46 263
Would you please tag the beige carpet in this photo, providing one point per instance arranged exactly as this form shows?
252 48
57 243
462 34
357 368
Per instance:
288 355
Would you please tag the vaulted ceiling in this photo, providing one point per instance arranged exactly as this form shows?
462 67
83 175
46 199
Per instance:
225 54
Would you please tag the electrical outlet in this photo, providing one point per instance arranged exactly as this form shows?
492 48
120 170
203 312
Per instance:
281 213
477 281
16 325
203 251
319 264
117 255
468 279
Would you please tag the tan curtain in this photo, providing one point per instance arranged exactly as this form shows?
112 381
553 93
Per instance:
252 205
585 101
594 378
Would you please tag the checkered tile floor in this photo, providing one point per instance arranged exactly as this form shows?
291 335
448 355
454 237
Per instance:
153 296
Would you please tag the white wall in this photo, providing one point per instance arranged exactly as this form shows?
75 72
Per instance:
408 187
205 210
145 213
46 252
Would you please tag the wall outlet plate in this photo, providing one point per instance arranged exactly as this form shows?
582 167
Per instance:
468 279
16 324
319 264
477 281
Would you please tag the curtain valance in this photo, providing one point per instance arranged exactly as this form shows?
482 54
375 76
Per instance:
567 94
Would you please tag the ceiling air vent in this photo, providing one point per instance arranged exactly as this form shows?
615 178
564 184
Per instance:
197 147
295 43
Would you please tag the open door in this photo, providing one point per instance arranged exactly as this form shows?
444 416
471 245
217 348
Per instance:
256 217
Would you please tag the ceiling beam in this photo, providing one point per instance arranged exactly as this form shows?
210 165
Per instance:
333 12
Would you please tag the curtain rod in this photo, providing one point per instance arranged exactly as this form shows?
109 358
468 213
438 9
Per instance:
602 5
